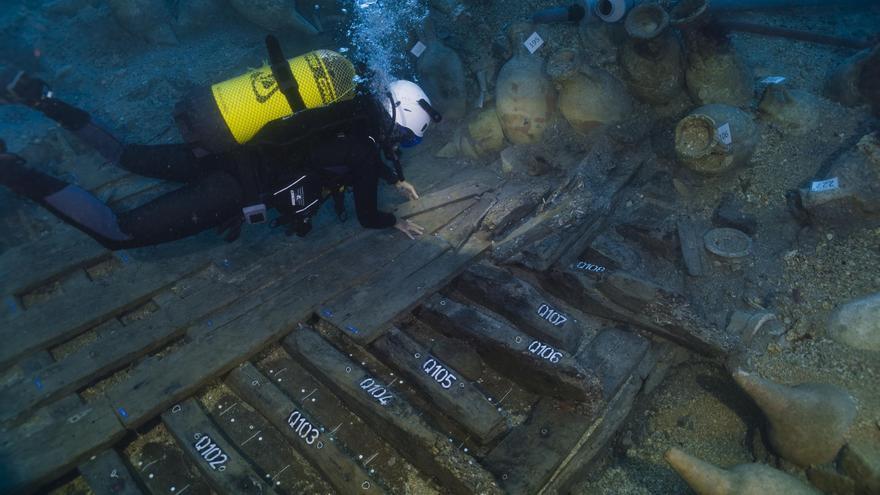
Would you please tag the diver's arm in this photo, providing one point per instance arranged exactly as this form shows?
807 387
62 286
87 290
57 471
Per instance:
365 188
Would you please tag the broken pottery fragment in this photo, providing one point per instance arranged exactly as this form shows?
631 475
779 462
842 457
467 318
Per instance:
147 19
745 479
807 423
857 323
855 81
715 138
524 96
274 15
728 243
791 109
588 97
850 187
860 460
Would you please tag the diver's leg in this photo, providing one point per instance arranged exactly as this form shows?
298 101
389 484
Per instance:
175 162
19 87
181 213
195 207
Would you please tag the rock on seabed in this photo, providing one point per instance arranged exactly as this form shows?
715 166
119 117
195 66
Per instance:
857 323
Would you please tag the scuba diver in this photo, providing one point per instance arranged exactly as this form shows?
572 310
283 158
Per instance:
334 147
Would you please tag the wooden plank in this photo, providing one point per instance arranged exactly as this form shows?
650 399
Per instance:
136 281
404 294
112 350
514 201
386 411
454 395
530 309
595 438
23 368
351 307
263 444
461 191
579 212
192 299
30 265
554 373
526 458
60 253
613 355
290 418
271 313
161 466
106 473
692 251
203 295
391 470
223 467
622 297
130 286
462 227
32 456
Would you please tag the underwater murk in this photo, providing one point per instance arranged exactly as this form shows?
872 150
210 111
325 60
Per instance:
440 246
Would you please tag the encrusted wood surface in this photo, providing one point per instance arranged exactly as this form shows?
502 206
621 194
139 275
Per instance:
170 342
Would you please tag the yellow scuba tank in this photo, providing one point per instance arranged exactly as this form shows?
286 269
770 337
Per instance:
231 112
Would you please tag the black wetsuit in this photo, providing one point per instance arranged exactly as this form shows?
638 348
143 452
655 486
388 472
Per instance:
271 171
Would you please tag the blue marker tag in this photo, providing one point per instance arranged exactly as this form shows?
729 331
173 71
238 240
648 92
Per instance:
12 305
122 412
352 329
38 383
327 313
227 263
123 256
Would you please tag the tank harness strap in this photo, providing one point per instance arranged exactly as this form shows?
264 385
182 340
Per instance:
338 195
254 209
283 75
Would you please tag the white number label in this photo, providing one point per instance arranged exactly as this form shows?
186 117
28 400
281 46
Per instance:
825 185
544 351
418 49
773 80
439 373
210 452
724 134
589 267
302 427
376 391
533 42
556 318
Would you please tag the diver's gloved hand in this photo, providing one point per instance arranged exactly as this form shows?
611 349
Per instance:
411 229
407 190
231 228
19 87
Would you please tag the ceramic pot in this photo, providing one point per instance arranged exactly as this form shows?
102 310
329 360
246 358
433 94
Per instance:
715 138
524 96
715 73
481 137
588 97
652 60
441 75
